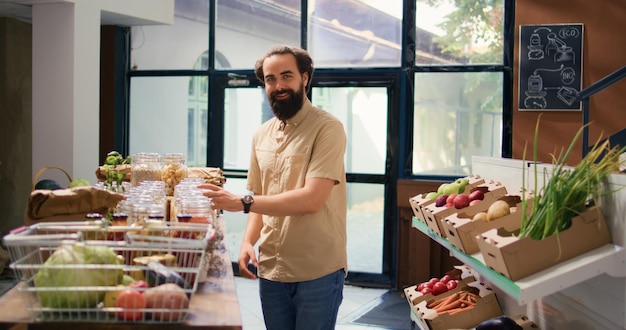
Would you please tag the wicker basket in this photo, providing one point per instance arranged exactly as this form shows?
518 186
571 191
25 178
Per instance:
43 170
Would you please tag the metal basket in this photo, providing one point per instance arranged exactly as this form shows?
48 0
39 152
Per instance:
156 253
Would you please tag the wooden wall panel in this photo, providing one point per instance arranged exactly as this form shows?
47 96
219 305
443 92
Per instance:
604 51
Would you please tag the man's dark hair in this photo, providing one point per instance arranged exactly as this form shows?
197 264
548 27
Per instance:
303 61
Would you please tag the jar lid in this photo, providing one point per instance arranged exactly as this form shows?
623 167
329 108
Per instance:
120 216
184 217
93 216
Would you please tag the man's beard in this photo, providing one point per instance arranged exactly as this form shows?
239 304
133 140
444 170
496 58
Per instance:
287 108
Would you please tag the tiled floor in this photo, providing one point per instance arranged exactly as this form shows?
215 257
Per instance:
356 301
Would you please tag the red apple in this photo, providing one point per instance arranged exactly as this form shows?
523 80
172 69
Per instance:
476 195
439 288
461 201
132 302
425 291
441 200
451 198
138 284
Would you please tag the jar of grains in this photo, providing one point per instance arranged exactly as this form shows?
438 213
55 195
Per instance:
173 172
146 166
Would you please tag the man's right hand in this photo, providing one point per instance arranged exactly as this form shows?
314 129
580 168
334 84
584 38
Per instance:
247 256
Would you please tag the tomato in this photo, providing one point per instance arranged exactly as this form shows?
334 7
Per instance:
433 280
421 286
451 284
445 279
429 285
425 291
132 302
439 288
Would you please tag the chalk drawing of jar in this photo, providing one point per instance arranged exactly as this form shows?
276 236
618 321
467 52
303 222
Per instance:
562 52
535 96
535 49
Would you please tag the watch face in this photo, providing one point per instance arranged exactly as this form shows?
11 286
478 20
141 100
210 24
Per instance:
247 199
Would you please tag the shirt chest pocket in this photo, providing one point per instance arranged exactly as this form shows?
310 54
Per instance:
294 170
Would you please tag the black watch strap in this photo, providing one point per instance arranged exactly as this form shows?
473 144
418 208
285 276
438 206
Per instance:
247 200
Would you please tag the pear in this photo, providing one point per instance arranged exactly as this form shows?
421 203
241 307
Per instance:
441 188
463 182
451 188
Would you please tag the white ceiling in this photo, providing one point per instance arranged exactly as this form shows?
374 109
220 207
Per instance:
22 10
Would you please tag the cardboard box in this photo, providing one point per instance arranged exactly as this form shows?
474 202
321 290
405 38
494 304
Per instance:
461 231
486 307
419 201
460 273
517 258
433 214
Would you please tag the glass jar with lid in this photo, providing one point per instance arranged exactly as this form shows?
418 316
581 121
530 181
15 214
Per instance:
199 208
146 166
174 171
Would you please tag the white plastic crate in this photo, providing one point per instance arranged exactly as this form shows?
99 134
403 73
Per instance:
156 253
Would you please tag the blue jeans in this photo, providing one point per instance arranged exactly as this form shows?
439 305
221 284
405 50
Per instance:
310 305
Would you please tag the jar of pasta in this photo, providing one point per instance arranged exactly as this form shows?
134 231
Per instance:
146 166
173 172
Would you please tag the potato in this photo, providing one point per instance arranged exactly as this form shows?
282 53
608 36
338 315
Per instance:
481 216
167 296
498 209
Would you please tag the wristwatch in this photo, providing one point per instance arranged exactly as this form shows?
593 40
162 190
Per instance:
247 200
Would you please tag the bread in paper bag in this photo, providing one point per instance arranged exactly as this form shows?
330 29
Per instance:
68 204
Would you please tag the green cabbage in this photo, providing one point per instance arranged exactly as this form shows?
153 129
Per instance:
76 266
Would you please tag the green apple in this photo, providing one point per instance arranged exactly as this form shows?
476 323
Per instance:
441 188
432 195
79 183
127 279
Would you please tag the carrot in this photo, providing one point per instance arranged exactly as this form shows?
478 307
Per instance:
444 301
459 310
452 305
473 297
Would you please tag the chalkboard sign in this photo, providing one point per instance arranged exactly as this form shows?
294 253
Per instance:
550 67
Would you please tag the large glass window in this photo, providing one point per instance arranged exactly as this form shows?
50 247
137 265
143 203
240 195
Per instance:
450 32
456 116
363 111
364 33
244 111
167 116
245 29
175 46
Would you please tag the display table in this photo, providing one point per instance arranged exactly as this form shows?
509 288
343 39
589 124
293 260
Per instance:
213 306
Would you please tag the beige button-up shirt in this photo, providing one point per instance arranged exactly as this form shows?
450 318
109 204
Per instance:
312 144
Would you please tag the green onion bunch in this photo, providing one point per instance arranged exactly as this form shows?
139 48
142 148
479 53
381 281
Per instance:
569 191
